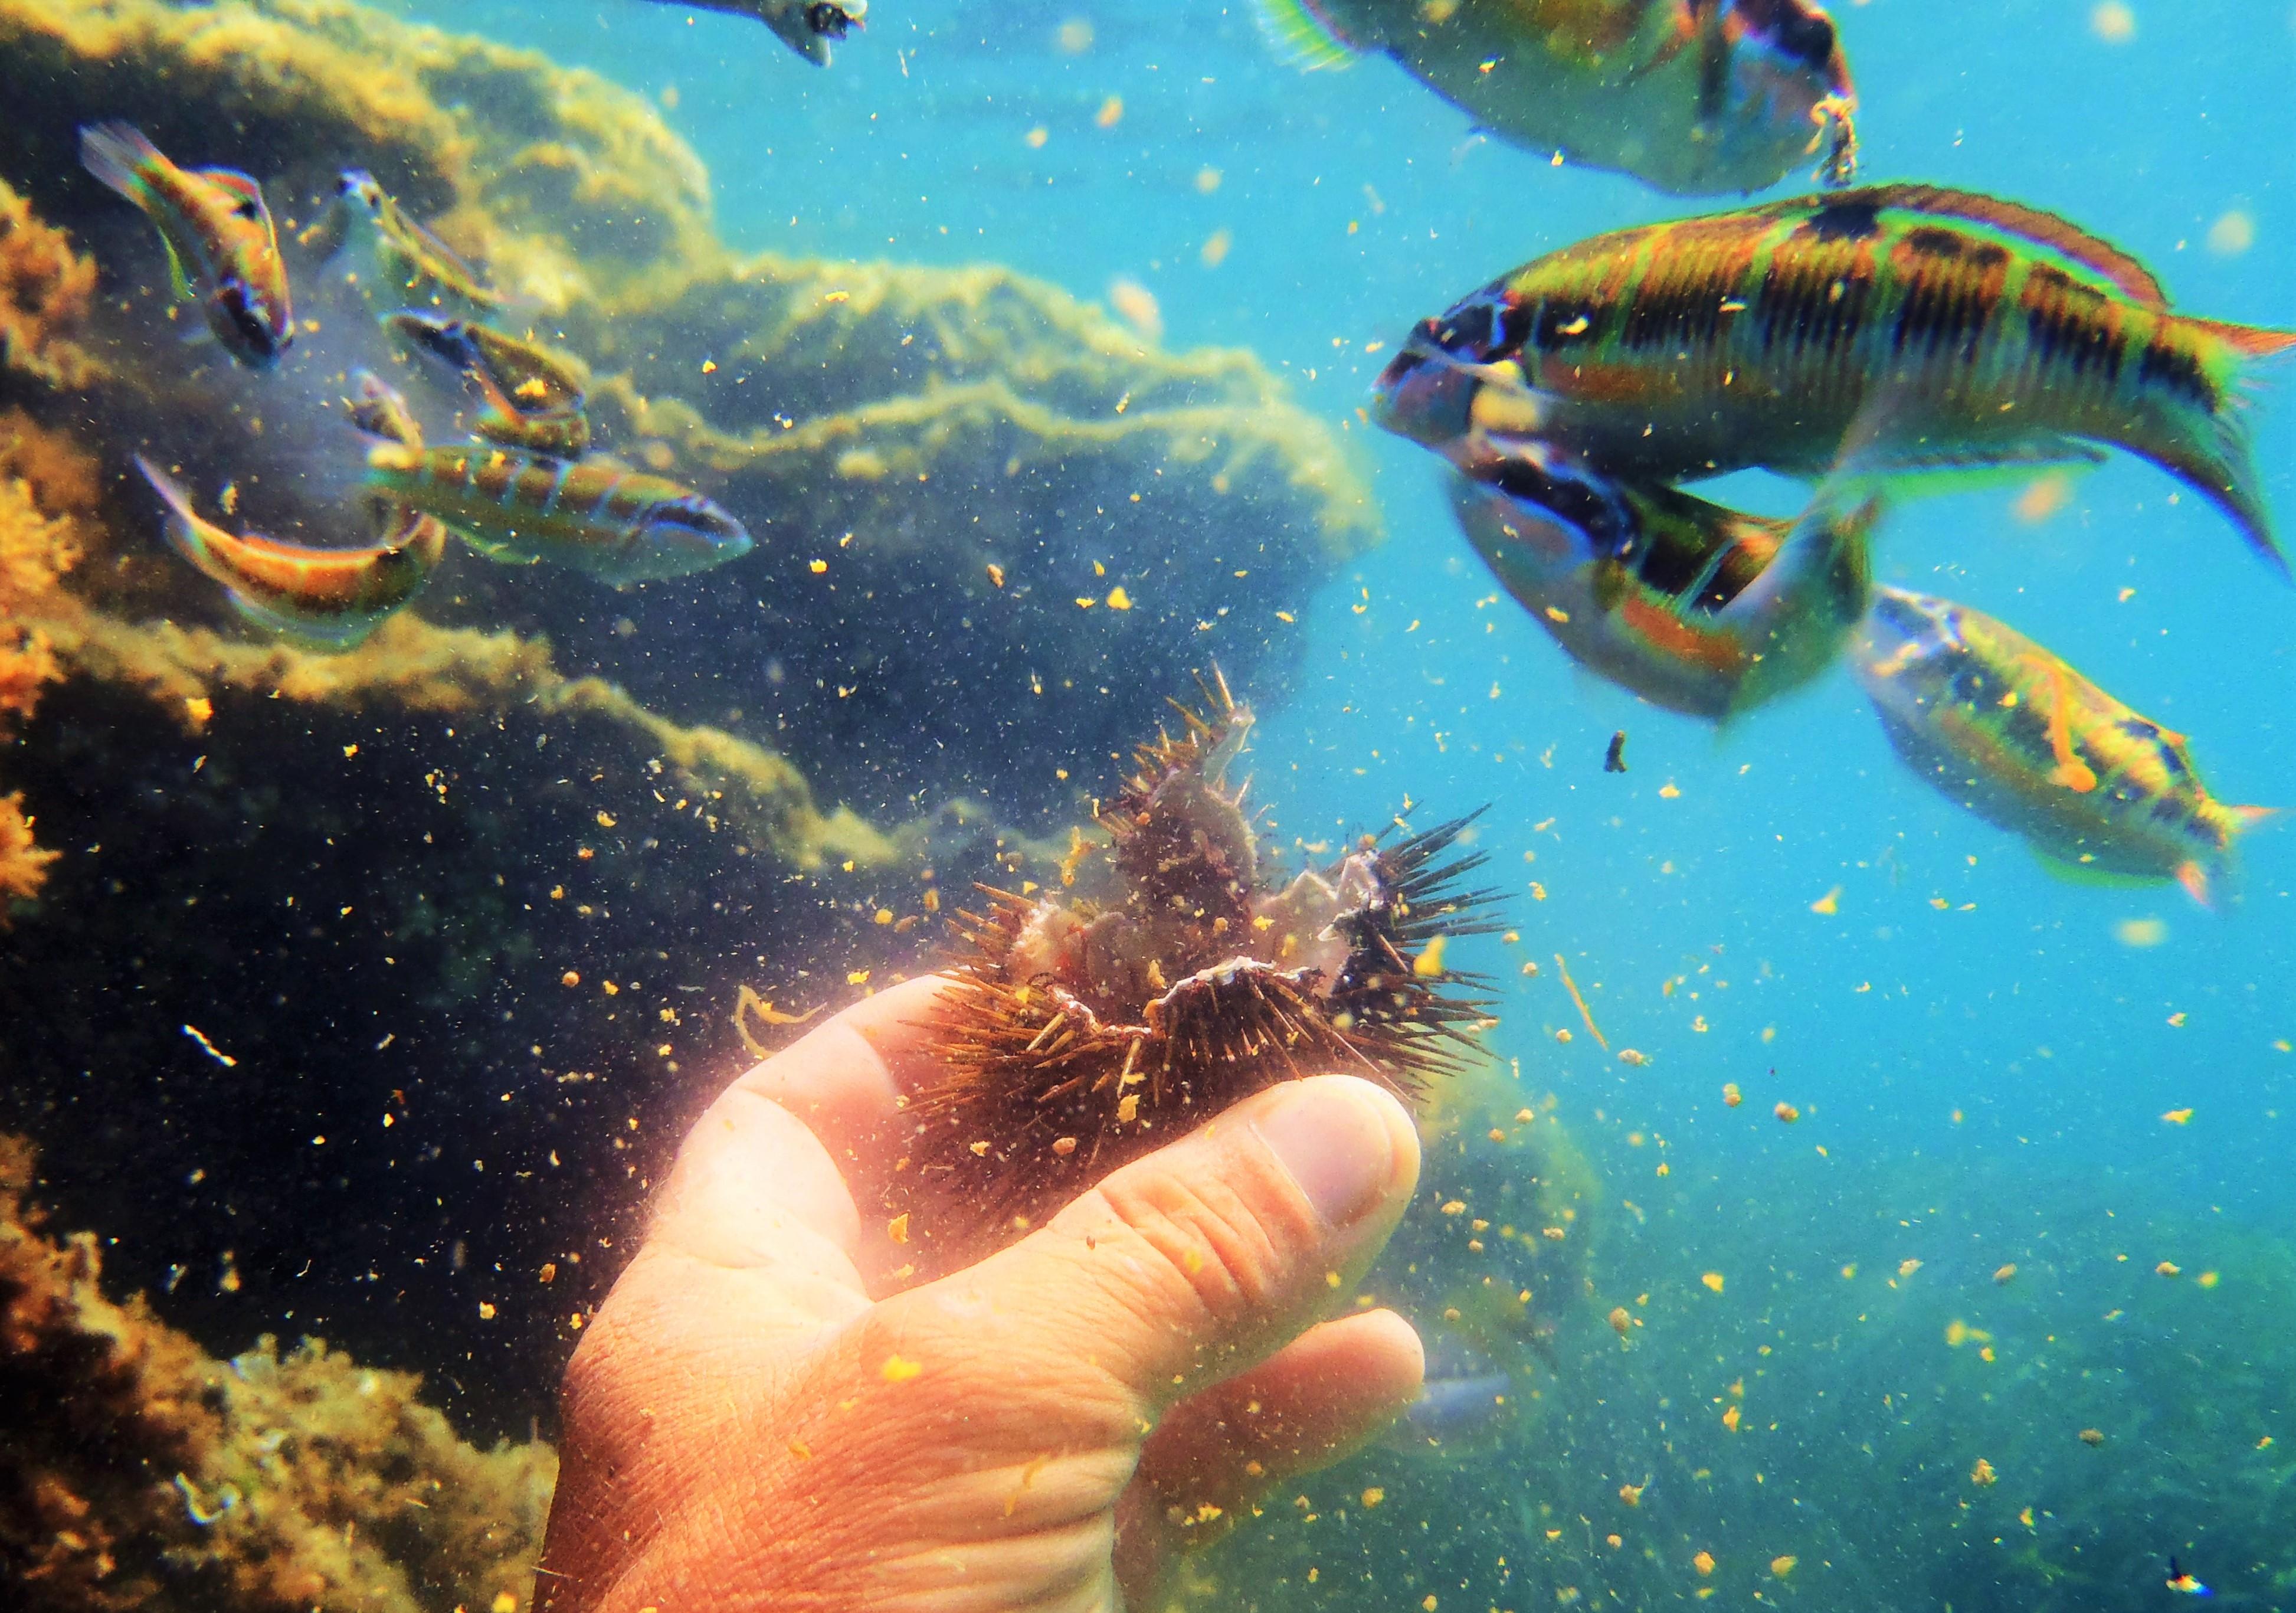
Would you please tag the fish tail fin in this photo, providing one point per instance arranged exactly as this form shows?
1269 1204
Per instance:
181 526
120 159
2246 818
2249 340
2221 464
1304 35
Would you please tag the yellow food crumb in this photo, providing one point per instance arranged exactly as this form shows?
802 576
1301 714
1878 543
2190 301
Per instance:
817 566
2169 1268
1429 964
2178 1117
897 1229
1713 1279
1731 1096
1118 600
1703 1562
1787 1112
899 1369
1373 1496
1982 1474
1783 1566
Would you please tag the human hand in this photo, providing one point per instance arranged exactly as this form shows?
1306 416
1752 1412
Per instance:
759 1418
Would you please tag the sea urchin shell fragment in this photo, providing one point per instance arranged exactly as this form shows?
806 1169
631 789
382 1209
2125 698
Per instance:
1091 1024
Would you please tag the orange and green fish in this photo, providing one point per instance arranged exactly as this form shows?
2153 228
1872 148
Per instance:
518 509
1697 97
223 250
531 395
1978 331
2009 730
1692 605
393 260
332 598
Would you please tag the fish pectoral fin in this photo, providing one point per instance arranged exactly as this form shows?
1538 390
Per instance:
2086 873
501 553
1303 35
177 275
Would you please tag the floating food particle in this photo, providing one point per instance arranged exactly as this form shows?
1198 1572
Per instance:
1429 964
2169 1268
2140 931
1632 1494
1138 307
1118 600
2005 1274
1982 1474
1085 602
605 821
1127 1109
2178 1117
210 1049
1730 1418
1036 137
899 1369
1668 791
1731 1096
1553 1234
2207 1279
2177 1019
1456 1206
2026 1517
857 978
199 708
505 1602
1216 248
569 979
817 566
1787 1112
1373 1497
897 1229
609 988
1064 1146
2092 1437
1828 904
2112 21
1713 1279
1906 1268
1111 112
549 1272
2043 498
1621 1320
1631 1056
996 575
1285 616
980 1149
1704 1563
485 1310
1571 986
2231 235
1780 1567
1849 1271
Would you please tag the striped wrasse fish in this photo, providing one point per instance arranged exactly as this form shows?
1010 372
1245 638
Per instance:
1984 331
1692 605
331 598
531 395
1696 97
223 249
619 525
2012 732
393 259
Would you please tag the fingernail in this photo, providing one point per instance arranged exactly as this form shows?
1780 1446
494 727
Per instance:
1333 1137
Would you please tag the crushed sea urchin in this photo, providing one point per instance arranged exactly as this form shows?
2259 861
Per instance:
1163 981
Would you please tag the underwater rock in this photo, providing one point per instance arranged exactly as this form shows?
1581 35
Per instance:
1172 974
896 437
44 290
140 1473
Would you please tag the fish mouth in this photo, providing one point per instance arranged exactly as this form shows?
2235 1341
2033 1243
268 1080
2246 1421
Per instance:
262 335
697 523
1425 393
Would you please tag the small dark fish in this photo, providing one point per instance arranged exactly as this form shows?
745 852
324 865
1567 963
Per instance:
394 260
223 249
806 25
1614 760
533 396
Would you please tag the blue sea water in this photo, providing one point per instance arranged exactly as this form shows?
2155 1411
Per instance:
1981 1055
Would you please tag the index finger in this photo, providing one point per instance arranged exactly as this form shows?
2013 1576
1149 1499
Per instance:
767 1179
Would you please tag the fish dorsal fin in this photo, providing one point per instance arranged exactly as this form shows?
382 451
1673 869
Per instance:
2099 257
232 182
1304 35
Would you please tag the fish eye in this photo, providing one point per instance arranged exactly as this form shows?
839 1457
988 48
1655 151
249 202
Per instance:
830 20
1793 30
1465 329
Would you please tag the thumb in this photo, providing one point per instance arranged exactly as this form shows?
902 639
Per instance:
1192 1264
